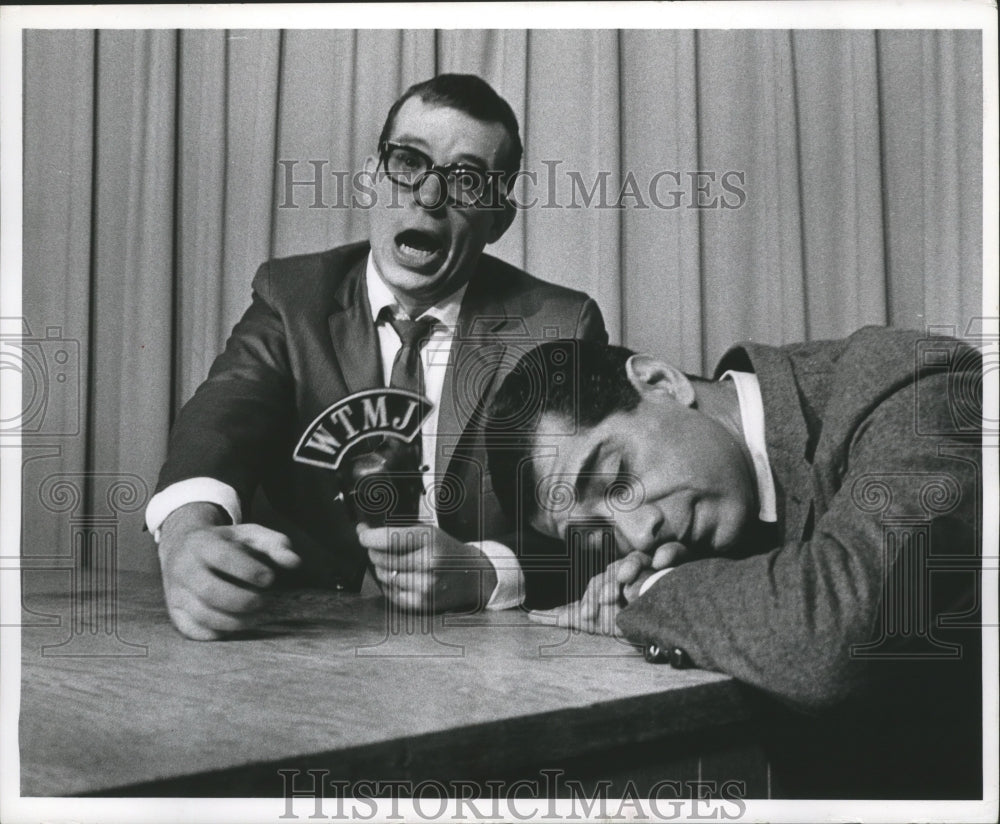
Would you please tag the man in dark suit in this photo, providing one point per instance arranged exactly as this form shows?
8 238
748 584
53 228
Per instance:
323 326
809 524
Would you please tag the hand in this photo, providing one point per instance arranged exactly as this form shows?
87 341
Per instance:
597 610
671 554
214 575
423 568
633 570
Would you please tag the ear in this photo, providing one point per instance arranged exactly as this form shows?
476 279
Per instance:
502 219
658 380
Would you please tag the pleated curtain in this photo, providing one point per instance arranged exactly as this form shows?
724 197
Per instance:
157 167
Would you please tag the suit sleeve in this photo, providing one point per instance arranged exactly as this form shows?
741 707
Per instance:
789 621
229 429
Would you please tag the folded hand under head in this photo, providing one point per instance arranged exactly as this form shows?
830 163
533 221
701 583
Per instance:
611 590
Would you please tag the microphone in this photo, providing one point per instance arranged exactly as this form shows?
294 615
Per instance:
370 439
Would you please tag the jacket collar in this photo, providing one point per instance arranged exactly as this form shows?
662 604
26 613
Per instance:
786 432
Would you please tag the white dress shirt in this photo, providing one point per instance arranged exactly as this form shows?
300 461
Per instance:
752 418
434 355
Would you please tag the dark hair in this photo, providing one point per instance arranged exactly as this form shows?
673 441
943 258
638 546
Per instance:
473 96
582 382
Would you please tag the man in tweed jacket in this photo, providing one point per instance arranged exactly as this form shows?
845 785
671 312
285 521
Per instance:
809 524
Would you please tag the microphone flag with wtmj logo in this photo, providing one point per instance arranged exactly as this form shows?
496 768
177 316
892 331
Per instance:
395 414
371 440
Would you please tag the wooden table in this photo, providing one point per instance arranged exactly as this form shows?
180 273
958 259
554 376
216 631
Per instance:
115 702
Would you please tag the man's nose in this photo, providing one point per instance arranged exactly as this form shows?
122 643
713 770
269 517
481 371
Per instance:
638 529
431 193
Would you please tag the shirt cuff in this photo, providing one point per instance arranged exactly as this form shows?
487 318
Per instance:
509 590
652 579
191 491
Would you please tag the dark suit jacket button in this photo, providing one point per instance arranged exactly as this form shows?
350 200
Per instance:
339 585
679 659
654 655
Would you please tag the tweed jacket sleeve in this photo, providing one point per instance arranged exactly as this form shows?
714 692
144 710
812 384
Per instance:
875 474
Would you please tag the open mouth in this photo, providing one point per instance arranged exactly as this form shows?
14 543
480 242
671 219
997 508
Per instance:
419 250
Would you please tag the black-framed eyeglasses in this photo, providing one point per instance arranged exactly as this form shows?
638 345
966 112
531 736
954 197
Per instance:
462 184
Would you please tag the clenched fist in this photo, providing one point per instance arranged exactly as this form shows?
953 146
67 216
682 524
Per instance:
214 575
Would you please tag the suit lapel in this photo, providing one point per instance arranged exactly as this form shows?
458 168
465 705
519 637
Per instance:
478 350
355 341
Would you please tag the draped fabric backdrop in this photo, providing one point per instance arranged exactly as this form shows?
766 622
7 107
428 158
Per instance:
153 178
